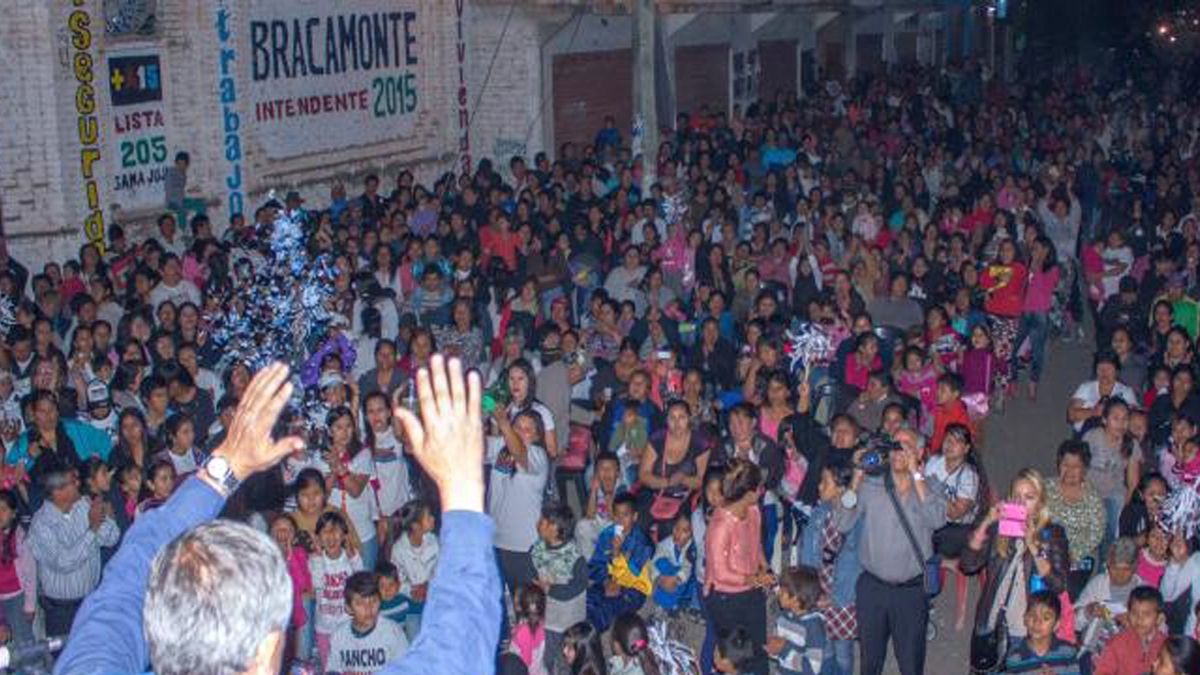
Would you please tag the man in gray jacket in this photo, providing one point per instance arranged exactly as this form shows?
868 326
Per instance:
891 600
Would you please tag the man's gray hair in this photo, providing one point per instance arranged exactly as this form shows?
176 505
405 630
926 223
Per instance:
215 593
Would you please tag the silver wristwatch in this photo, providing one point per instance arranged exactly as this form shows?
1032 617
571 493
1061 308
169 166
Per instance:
218 469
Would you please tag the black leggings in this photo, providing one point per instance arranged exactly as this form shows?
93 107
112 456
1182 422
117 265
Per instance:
748 609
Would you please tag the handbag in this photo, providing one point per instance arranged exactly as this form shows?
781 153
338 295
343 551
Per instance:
989 648
665 506
932 566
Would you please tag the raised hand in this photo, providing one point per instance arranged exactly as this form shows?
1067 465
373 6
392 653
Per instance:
448 438
248 446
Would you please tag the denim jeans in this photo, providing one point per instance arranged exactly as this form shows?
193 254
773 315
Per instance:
770 529
1112 520
1035 327
369 553
843 657
18 622
307 633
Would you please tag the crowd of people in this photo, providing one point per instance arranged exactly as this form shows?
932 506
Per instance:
662 449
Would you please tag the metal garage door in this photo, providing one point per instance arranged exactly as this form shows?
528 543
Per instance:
906 48
778 59
702 77
870 53
587 87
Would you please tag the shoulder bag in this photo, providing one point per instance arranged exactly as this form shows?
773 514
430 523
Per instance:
932 565
988 648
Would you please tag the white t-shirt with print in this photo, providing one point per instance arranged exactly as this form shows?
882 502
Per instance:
963 483
1088 395
515 495
329 577
351 653
390 480
363 510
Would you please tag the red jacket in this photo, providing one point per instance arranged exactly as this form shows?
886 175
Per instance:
1125 655
1006 286
954 412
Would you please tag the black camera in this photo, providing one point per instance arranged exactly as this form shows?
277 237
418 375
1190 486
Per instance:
874 462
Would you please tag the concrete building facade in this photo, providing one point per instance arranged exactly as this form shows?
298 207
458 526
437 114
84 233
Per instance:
299 94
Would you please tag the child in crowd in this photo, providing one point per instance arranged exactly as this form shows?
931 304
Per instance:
1040 651
628 441
979 363
1182 580
735 652
393 604
18 570
97 482
1153 556
415 555
1133 650
160 483
562 574
710 500
1180 464
129 485
312 502
618 570
364 644
582 651
950 409
1104 598
918 378
800 645
284 532
329 570
181 450
529 636
631 653
671 568
606 485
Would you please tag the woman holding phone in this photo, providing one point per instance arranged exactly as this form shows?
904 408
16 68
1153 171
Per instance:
1023 551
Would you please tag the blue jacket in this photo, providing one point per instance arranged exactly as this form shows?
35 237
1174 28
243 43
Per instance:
461 621
88 440
845 568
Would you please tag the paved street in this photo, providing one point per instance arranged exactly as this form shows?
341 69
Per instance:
1027 434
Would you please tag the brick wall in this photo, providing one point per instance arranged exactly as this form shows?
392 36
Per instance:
506 117
43 198
34 183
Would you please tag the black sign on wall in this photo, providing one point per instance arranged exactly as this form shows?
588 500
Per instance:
134 79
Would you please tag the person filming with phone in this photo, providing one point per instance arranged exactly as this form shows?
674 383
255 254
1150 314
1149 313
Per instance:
1024 553
900 510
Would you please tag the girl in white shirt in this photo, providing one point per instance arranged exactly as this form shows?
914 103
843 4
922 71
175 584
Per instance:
329 569
348 468
415 555
391 478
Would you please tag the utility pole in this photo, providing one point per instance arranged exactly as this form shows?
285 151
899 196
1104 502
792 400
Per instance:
645 24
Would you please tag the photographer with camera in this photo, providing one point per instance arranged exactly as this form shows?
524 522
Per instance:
899 510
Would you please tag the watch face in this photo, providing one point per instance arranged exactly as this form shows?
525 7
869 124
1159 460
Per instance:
849 499
218 467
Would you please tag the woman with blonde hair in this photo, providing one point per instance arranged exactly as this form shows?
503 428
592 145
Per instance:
1023 552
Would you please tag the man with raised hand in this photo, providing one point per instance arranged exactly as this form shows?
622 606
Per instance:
186 595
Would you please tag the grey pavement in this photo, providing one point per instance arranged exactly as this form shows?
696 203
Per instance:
1027 433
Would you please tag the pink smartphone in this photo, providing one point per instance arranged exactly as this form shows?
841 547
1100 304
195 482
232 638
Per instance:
1012 520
